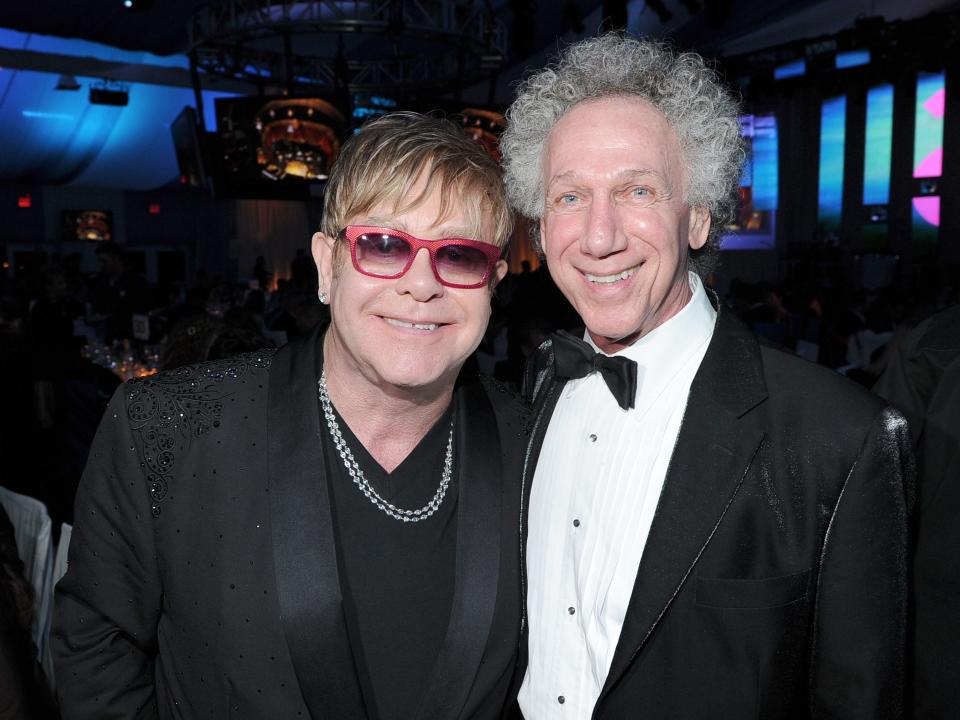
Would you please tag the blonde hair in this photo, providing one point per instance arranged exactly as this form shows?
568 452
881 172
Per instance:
381 164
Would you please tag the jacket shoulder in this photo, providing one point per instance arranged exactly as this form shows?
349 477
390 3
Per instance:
810 388
939 334
168 413
193 390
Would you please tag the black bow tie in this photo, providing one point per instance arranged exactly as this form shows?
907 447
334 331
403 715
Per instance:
573 358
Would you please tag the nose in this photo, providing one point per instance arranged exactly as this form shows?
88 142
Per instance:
419 281
602 235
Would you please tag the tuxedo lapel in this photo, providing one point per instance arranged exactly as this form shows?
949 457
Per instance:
479 474
305 560
544 399
542 390
714 449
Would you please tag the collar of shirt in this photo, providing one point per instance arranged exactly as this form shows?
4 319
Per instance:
661 353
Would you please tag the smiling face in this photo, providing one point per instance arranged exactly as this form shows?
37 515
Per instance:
410 332
615 228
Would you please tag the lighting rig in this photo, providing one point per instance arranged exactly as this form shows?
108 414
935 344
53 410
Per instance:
300 46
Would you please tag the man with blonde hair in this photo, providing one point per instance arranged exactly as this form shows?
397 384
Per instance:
328 530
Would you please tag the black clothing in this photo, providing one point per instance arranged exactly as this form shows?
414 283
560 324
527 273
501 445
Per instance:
203 570
576 358
397 577
773 581
922 380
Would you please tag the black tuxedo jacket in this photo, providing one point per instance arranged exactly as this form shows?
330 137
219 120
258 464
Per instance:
773 581
203 578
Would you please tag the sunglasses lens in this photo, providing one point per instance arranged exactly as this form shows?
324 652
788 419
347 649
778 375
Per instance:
461 264
381 253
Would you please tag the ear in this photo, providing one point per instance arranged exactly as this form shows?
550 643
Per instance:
499 273
322 248
698 227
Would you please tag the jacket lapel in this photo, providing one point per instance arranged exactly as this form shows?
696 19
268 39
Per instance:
305 560
712 454
544 401
542 389
480 476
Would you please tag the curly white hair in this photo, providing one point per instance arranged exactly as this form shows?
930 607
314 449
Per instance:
699 108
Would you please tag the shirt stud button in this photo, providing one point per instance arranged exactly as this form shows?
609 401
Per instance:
576 522
593 437
571 610
561 699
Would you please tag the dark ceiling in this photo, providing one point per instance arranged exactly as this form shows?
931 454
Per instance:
160 29
161 26
717 26
534 28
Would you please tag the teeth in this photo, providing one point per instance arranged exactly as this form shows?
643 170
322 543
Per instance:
609 278
417 326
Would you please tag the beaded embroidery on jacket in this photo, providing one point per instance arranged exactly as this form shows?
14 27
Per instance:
169 409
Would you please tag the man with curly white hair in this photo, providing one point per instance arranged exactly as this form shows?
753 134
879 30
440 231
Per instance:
710 528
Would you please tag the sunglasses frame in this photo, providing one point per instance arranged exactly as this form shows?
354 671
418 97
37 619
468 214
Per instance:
352 233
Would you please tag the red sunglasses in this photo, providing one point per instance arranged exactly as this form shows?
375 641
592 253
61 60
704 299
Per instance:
385 253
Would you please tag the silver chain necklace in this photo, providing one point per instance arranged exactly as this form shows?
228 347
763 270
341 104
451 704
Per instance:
361 481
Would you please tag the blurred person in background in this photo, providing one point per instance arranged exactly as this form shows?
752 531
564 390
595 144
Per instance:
116 292
24 692
922 380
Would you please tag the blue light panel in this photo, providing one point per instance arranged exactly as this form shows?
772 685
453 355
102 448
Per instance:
755 225
928 125
878 146
833 125
854 58
796 68
765 163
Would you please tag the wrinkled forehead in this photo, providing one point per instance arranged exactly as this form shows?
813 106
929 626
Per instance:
613 134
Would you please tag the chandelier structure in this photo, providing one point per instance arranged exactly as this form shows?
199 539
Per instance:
434 45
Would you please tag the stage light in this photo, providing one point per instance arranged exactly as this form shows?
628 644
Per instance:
24 200
795 68
296 138
484 127
852 58
88 224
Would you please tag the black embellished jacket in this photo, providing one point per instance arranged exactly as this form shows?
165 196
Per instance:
773 583
203 578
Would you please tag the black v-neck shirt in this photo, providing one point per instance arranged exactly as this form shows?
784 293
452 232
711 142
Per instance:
397 578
